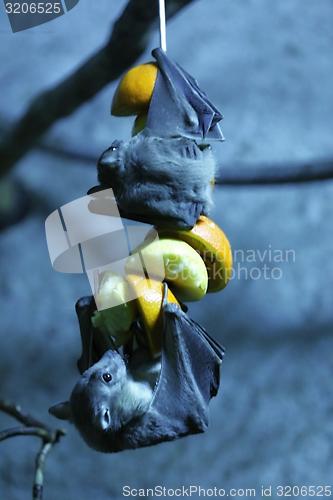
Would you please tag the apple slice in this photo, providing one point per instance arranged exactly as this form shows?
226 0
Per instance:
116 311
174 261
209 240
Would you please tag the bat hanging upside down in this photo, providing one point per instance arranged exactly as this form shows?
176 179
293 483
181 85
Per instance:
160 181
117 406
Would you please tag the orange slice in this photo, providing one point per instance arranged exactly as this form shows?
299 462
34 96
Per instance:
149 301
135 90
213 246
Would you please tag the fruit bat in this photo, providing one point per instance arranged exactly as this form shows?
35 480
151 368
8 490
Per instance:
163 174
160 181
115 410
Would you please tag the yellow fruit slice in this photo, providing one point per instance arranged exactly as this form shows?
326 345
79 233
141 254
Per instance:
135 90
139 124
175 262
210 241
149 301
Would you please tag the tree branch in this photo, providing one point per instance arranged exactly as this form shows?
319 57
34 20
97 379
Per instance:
38 485
24 431
32 427
128 41
276 173
16 412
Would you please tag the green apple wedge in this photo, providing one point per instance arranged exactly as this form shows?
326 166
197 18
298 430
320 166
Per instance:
116 311
175 262
139 124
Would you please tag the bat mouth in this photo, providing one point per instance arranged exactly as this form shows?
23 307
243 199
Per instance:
204 147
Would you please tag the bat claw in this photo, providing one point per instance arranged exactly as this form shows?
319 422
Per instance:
165 294
191 150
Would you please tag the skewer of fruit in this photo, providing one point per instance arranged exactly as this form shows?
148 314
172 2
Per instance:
196 261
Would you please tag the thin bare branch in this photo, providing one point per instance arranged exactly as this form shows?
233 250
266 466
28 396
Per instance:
276 173
129 39
16 412
24 431
31 427
38 485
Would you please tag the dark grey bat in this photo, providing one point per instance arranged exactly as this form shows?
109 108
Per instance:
163 181
113 411
163 175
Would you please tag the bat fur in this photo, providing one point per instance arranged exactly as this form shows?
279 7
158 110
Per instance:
164 179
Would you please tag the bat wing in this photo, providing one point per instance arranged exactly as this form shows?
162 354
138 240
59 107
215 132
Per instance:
189 378
85 308
190 371
179 106
93 346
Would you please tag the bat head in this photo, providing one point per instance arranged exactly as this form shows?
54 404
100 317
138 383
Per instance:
109 164
104 399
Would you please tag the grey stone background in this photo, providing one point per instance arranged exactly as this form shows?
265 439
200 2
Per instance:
268 66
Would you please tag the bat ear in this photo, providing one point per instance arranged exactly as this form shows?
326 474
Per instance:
62 411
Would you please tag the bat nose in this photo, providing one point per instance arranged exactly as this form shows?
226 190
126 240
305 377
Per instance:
107 158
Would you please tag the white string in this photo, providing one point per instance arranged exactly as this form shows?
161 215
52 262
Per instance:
163 42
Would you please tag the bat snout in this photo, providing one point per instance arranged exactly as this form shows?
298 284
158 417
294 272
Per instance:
109 157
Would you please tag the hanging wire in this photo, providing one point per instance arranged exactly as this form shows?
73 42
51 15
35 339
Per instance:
163 42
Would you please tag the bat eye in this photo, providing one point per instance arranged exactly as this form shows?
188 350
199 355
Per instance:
107 377
115 145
